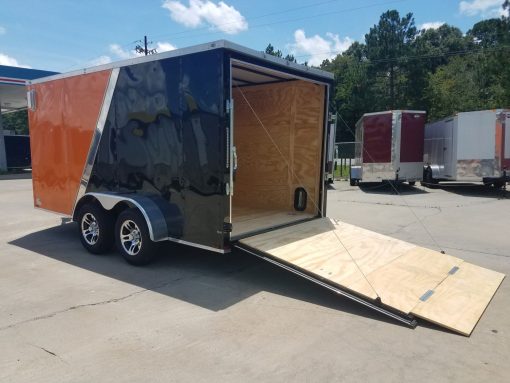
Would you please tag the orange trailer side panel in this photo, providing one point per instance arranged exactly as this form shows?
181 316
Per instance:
61 130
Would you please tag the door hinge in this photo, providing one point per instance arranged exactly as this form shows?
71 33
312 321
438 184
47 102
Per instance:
427 295
227 227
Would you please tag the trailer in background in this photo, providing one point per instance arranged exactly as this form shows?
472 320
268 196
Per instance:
468 147
390 147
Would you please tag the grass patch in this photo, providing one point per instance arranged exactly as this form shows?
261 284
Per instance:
342 171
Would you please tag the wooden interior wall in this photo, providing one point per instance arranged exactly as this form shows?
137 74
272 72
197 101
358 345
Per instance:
292 112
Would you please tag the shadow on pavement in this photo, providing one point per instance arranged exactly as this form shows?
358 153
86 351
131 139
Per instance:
202 278
472 190
387 188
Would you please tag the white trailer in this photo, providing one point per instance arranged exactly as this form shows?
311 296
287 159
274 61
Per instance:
469 147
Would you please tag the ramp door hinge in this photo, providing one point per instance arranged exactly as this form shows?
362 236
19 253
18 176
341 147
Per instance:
427 295
453 270
228 106
227 227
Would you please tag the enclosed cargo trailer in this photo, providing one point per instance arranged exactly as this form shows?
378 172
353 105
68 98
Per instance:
470 146
389 147
218 146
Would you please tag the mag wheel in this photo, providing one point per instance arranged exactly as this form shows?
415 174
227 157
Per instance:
133 239
96 228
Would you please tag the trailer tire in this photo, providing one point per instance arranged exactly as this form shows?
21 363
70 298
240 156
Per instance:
352 182
428 179
132 238
499 184
412 183
95 227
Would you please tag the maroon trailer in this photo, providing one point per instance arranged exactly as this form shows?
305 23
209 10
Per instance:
389 147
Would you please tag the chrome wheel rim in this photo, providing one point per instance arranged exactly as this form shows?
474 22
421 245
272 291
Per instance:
130 237
90 229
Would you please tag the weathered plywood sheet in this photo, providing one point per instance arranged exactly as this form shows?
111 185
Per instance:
460 300
405 279
271 166
374 265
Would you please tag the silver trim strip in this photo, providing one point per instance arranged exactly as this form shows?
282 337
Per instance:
322 186
392 111
189 50
232 160
204 247
96 138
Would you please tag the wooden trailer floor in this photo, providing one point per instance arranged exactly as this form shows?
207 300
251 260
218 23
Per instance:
250 220
413 280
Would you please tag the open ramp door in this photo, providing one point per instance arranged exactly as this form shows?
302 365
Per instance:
397 278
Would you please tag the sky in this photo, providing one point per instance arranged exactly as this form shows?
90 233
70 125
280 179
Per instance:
65 35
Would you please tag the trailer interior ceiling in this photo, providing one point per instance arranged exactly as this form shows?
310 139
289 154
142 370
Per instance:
278 135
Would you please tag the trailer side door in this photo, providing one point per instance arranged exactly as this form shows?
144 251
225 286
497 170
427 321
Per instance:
448 158
505 163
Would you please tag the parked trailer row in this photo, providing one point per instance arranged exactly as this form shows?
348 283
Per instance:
218 146
398 146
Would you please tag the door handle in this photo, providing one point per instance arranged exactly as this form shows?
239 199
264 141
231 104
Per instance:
234 157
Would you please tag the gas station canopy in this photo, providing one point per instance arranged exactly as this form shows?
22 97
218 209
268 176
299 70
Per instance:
13 94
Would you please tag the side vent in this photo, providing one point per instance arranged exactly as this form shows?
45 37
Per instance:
300 197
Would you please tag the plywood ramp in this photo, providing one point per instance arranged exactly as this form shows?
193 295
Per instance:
410 279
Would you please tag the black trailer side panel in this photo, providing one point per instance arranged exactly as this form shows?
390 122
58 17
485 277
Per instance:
165 138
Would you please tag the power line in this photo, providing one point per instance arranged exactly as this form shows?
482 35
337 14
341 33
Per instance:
286 21
293 9
415 57
345 10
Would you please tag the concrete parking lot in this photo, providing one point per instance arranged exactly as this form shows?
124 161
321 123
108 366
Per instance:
68 316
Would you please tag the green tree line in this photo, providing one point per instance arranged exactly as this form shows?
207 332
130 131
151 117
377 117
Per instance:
441 71
16 121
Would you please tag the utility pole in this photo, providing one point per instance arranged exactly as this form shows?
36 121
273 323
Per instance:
145 49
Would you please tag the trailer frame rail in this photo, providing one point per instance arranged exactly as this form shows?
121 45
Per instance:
406 319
